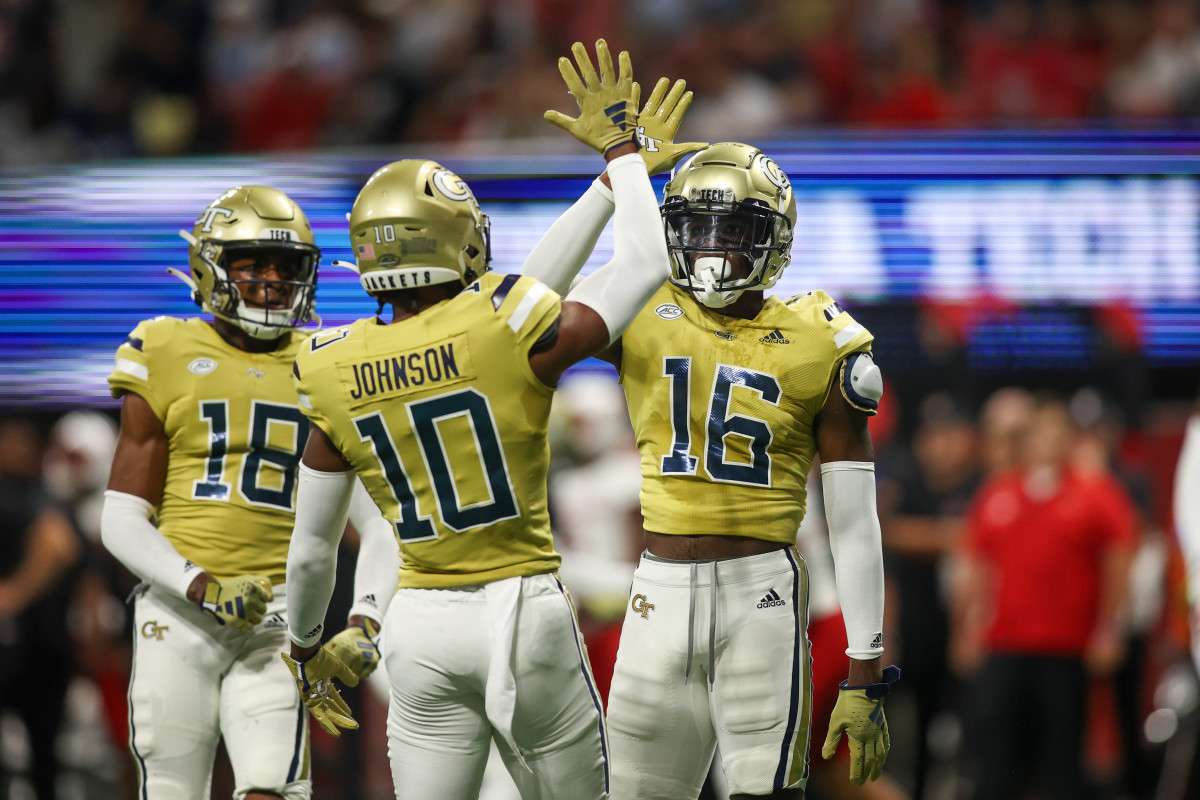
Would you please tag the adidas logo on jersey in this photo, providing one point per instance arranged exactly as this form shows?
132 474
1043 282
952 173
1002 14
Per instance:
275 620
771 599
775 337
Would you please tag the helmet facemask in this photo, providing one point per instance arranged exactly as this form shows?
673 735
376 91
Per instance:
283 301
721 247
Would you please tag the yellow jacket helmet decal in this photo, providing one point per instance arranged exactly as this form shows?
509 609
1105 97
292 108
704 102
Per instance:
416 223
728 213
245 222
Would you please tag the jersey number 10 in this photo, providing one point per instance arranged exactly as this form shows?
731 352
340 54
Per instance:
424 416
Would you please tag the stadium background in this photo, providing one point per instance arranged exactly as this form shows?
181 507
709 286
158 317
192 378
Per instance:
1003 192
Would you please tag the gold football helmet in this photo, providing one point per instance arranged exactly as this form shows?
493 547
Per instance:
263 224
416 223
729 214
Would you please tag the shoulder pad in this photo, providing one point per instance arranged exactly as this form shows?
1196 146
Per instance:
861 382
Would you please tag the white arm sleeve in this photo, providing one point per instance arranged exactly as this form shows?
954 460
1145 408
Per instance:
322 503
126 530
1187 505
565 248
857 545
377 570
618 290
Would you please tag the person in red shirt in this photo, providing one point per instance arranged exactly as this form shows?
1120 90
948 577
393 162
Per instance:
1045 562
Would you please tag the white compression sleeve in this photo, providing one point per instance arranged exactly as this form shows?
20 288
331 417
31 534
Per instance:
1187 505
857 545
128 533
618 290
564 249
322 504
377 570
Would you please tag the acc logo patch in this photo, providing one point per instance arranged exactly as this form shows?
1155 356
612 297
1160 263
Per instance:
669 311
202 366
451 185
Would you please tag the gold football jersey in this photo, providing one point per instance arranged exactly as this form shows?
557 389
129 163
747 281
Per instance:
723 409
235 435
445 423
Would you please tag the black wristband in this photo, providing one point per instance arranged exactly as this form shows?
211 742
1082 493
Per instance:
876 691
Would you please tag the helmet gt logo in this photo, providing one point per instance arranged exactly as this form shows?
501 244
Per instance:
207 215
451 185
774 174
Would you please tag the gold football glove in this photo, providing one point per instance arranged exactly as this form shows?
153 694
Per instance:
859 714
354 648
314 678
607 102
658 123
240 601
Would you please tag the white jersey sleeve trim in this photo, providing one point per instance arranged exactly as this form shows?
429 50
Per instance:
525 307
140 371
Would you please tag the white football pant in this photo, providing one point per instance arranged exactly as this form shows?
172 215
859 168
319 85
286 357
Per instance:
195 680
712 653
504 661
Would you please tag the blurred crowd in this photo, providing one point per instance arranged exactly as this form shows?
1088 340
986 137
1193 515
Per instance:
81 79
946 494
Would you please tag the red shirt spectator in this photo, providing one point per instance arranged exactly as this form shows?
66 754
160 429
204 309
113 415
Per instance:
1046 557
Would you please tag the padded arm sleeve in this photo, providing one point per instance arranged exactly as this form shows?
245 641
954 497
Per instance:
322 504
378 568
1187 505
128 533
857 545
618 290
562 252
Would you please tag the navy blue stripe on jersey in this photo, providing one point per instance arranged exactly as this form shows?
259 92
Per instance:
296 369
789 732
833 310
134 342
587 677
503 289
299 743
133 730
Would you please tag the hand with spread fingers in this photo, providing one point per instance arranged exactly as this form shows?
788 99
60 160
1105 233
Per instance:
314 678
859 714
355 647
240 601
607 101
658 123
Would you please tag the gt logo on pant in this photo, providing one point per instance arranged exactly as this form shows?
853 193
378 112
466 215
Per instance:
641 606
152 630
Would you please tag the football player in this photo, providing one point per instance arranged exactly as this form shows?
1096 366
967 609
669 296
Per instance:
443 413
200 505
732 393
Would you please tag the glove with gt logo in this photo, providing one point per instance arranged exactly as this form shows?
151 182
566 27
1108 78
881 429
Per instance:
314 678
859 714
658 123
355 647
240 601
607 102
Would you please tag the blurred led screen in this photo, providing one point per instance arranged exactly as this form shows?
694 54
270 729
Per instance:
1039 229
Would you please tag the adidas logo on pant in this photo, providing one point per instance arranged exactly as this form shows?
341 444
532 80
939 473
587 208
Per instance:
771 600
